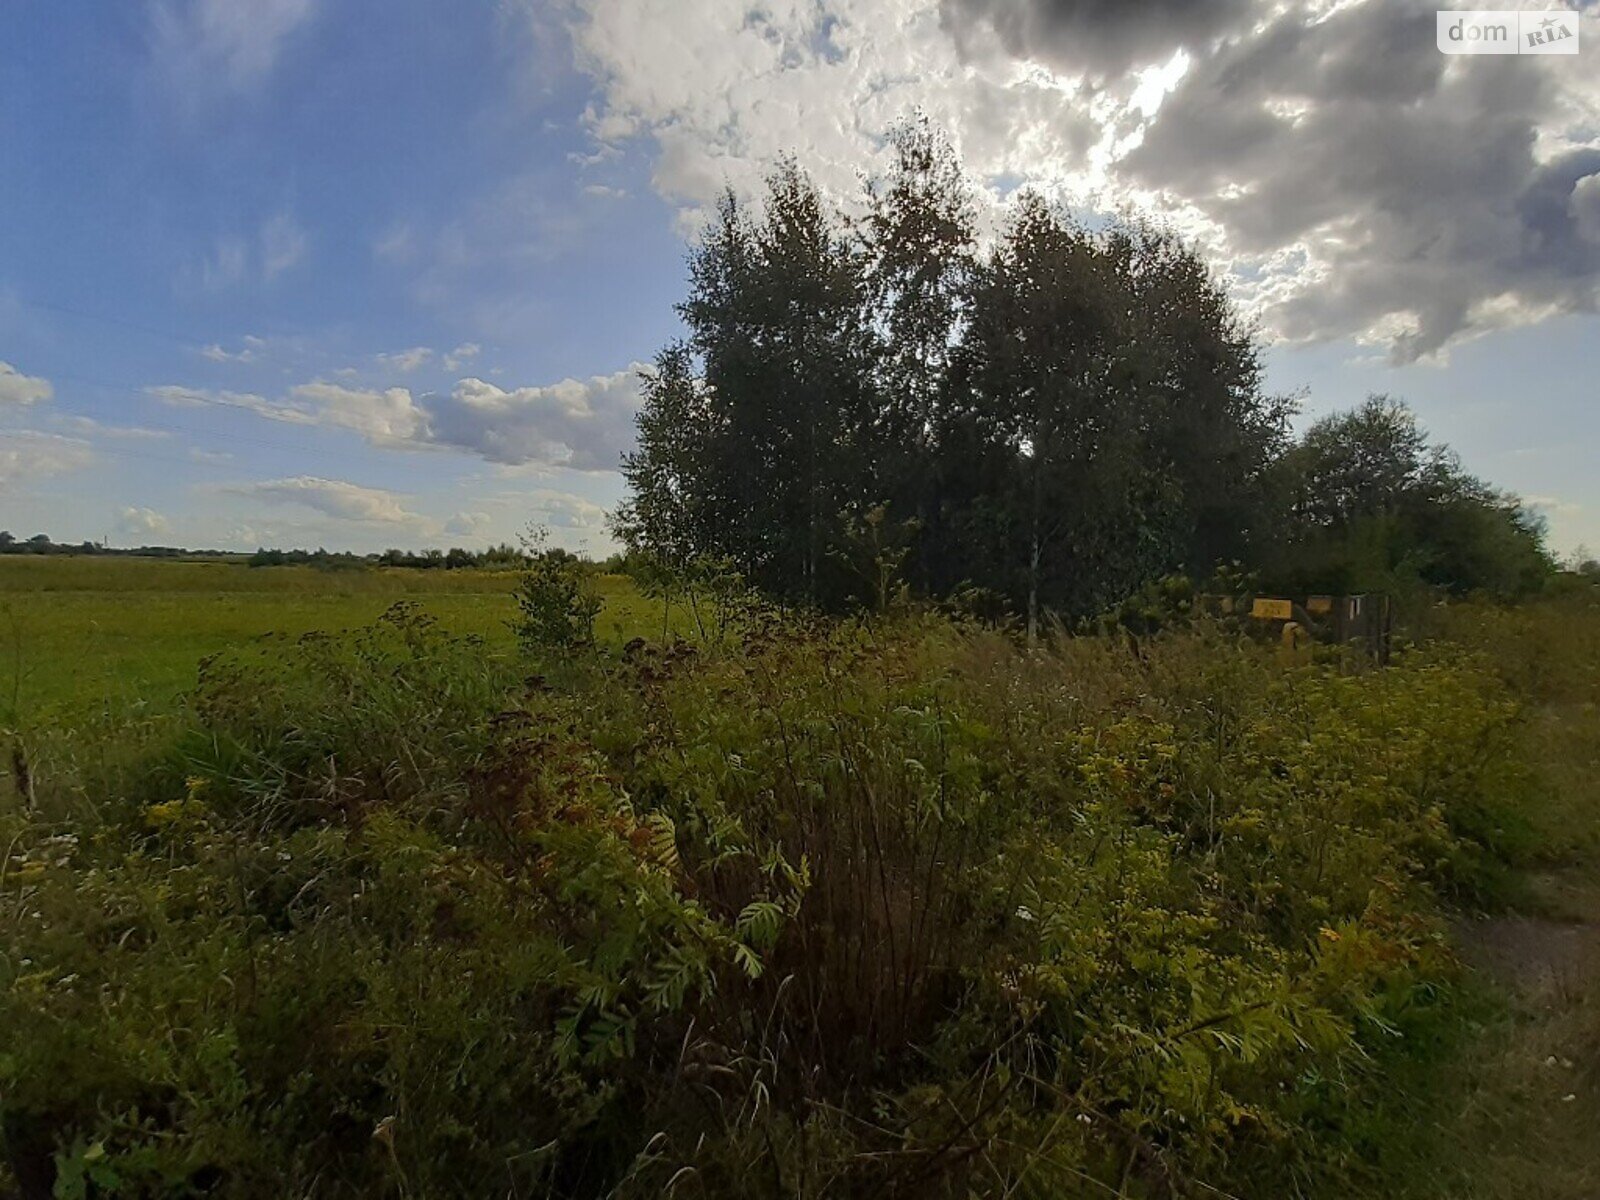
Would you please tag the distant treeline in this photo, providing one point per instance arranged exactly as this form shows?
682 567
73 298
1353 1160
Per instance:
504 557
40 543
1053 419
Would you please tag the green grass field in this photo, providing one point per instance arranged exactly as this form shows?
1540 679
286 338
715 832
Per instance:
79 634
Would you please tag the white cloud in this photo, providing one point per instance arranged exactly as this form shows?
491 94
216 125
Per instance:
1553 505
89 427
475 264
17 388
724 89
406 360
180 396
397 244
142 522
1426 199
246 352
467 524
581 424
227 265
563 510
331 497
389 418
27 455
200 48
461 356
386 418
278 244
283 244
1585 207
191 397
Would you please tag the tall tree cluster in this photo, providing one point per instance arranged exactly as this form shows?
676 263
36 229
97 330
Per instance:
1369 501
1056 415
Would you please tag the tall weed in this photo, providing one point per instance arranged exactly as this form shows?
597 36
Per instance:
808 910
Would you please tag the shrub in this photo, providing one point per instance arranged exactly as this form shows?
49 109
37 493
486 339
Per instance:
811 910
345 904
556 601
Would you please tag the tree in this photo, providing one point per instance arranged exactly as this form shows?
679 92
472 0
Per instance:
1372 504
754 454
679 498
1057 421
1051 430
919 248
1368 462
1213 431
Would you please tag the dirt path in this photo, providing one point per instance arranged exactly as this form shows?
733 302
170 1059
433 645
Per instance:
1529 1128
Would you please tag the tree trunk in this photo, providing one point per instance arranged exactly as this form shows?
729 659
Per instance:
1033 592
1035 548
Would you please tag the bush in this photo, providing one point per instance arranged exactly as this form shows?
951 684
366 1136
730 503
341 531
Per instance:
556 602
819 910
351 934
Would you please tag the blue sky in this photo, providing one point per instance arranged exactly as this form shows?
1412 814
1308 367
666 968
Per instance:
361 274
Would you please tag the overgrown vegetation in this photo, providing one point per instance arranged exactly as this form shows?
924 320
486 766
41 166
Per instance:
807 908
941 899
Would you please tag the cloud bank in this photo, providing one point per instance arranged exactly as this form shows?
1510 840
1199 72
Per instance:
142 522
1349 178
331 497
17 388
579 424
27 456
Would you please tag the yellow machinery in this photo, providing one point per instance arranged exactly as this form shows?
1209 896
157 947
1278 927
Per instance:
1362 621
1266 609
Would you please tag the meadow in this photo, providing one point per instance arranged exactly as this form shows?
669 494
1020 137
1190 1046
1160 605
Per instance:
80 635
321 884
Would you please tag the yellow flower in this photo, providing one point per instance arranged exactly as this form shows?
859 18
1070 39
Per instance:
164 814
1328 935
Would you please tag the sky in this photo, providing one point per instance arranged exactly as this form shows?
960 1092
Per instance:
373 273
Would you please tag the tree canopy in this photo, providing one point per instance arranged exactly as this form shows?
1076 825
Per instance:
1371 502
1056 418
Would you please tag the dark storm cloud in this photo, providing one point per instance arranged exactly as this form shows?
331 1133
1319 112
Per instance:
1557 211
1410 176
1102 37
